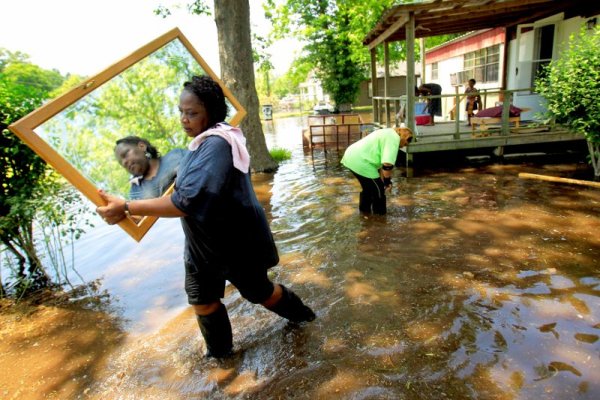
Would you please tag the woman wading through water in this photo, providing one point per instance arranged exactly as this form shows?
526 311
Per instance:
227 236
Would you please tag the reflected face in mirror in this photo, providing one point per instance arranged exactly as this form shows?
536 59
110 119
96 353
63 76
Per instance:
135 157
194 118
151 173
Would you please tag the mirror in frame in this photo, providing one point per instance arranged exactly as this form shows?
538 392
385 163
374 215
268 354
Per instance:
76 133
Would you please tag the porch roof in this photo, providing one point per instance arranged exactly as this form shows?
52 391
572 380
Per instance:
439 17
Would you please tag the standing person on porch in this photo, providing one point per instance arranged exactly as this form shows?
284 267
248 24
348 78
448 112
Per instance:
371 160
473 100
227 236
434 105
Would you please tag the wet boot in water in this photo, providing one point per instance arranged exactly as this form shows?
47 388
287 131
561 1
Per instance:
292 308
216 330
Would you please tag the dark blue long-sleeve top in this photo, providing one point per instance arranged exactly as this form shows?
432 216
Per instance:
225 227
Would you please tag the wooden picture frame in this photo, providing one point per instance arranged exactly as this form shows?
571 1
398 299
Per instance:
30 129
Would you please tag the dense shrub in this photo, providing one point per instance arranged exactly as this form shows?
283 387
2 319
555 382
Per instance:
571 85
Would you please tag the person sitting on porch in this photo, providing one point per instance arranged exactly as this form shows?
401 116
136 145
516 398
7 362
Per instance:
434 105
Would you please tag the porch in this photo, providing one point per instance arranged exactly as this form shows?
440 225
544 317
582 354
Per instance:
408 22
484 135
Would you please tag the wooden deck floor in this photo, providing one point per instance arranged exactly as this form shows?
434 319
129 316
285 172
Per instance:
443 137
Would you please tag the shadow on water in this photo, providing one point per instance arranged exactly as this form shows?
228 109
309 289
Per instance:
476 285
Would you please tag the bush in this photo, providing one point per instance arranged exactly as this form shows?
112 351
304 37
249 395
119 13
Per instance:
571 85
279 154
39 212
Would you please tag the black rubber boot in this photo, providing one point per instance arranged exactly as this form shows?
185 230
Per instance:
365 203
292 308
216 330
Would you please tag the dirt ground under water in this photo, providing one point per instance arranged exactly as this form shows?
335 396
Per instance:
52 350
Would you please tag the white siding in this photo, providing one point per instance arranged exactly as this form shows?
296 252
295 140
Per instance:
521 53
453 65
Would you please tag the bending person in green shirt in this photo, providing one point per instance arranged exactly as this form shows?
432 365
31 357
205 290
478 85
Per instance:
372 160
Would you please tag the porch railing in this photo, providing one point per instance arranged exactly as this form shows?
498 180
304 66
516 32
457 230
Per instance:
329 129
385 109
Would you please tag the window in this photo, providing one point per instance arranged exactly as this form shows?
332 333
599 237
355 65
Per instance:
481 65
434 70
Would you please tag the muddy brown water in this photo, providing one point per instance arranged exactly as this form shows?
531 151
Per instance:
476 285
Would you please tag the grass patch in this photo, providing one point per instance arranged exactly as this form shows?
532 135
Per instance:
279 154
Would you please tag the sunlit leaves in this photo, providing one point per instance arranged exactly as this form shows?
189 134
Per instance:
571 86
28 188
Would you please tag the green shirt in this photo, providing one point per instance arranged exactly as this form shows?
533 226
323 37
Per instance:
366 156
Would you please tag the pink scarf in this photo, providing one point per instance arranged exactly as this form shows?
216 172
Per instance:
235 138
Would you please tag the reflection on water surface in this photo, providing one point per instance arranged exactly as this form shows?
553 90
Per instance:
476 285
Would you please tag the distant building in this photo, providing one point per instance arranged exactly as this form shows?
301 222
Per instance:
311 91
396 85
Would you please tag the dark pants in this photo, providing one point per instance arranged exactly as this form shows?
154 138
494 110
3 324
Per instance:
205 285
372 197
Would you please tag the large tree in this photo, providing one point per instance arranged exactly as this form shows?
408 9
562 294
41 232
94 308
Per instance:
237 71
236 57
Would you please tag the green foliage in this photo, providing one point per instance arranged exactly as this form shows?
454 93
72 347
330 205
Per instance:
571 86
262 60
280 154
196 7
29 190
289 83
333 33
21 175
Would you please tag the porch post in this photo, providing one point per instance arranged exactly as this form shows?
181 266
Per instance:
410 72
374 84
422 50
386 81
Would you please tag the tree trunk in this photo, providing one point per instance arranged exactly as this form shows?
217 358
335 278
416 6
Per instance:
237 72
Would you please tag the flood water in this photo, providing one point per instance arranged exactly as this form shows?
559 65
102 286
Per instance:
477 284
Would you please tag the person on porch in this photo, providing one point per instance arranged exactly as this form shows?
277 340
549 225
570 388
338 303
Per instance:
434 105
473 100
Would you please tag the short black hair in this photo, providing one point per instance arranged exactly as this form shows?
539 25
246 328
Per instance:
134 140
210 95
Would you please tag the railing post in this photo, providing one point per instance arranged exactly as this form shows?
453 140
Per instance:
484 101
388 113
506 113
457 115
